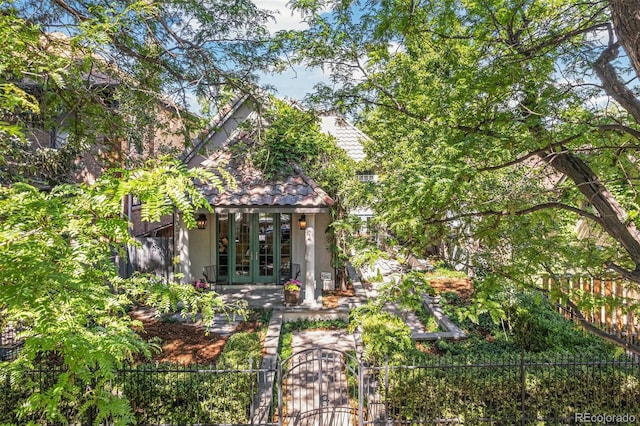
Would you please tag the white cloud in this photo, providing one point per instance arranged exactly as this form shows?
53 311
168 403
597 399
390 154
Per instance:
285 18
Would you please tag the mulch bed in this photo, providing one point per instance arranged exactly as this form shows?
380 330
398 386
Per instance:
461 286
185 343
330 298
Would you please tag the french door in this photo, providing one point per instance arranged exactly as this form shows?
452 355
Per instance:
253 247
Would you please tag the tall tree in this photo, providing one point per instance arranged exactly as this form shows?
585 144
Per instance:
104 71
95 72
499 123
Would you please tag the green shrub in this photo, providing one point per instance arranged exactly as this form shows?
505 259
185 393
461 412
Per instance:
241 347
171 394
383 334
531 324
537 328
492 389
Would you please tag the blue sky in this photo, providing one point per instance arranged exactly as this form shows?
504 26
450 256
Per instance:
294 83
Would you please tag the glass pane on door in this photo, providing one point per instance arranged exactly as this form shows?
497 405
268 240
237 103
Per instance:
242 261
266 231
285 247
223 245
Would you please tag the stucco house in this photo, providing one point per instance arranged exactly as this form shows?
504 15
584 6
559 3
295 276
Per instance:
352 140
262 231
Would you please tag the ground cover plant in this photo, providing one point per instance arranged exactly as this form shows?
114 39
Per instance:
530 324
428 320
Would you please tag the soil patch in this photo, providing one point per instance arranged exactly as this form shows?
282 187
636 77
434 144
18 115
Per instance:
184 343
461 286
429 348
331 298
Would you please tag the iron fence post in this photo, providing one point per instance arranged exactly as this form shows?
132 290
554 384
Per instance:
319 355
523 381
360 393
386 390
253 400
280 383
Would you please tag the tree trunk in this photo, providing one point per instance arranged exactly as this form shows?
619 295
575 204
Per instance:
613 85
614 219
626 21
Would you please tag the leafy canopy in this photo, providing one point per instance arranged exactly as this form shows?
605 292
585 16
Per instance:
61 286
118 74
292 138
489 128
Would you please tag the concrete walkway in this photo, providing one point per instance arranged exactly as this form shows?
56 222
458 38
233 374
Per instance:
338 340
257 295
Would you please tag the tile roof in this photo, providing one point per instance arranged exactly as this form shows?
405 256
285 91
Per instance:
295 190
347 135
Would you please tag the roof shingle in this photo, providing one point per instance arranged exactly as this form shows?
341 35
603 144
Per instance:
292 190
348 136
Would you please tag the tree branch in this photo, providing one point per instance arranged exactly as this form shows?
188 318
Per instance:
624 273
612 84
613 218
556 41
582 321
543 206
620 128
525 157
626 21
604 127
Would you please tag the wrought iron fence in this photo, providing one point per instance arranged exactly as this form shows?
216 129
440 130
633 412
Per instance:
10 343
499 390
158 394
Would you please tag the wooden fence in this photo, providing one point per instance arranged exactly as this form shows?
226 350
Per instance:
610 304
154 255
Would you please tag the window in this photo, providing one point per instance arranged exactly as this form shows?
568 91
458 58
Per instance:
367 176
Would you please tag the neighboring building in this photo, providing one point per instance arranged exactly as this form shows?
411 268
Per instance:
96 114
67 120
351 139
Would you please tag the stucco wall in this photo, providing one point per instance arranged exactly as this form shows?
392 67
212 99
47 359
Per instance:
201 252
323 254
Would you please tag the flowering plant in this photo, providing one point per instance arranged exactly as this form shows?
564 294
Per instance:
200 285
292 285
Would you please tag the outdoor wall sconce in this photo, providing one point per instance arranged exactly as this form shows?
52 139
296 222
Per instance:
302 221
201 221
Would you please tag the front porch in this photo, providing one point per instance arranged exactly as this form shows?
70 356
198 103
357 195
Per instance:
261 296
250 253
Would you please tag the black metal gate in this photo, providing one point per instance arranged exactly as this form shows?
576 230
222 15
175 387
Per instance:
320 387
